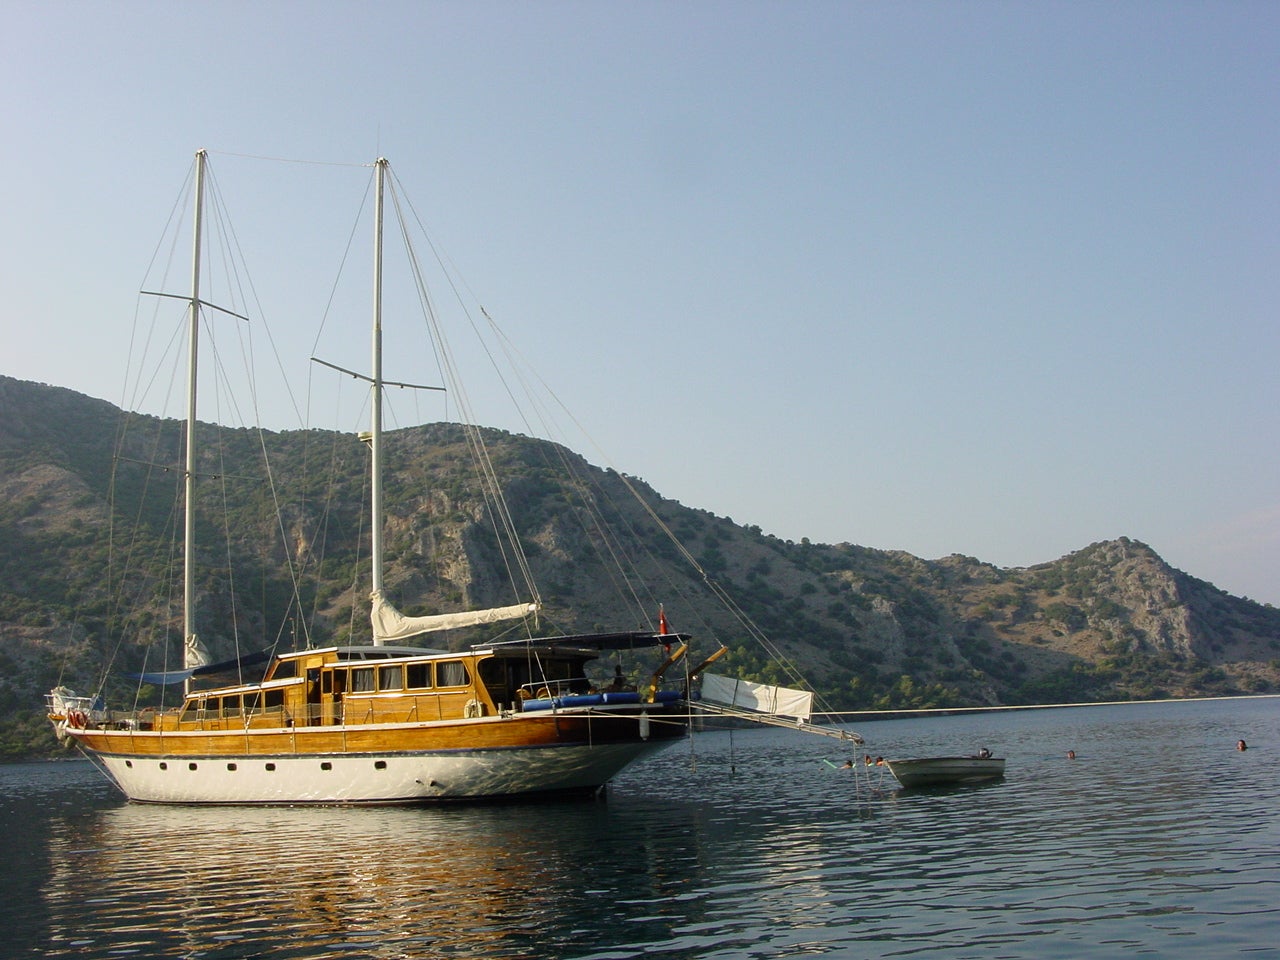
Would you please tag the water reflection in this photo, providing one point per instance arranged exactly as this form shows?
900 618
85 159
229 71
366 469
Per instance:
489 881
1160 838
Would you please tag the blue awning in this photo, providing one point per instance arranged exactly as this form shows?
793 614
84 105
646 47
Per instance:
167 677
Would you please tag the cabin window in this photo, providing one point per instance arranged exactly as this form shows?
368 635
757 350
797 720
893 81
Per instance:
391 678
274 699
418 676
362 680
452 673
231 706
252 702
285 669
498 679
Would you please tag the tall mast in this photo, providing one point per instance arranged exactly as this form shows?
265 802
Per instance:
191 642
375 496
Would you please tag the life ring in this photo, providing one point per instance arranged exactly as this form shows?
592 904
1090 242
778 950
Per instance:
77 719
472 709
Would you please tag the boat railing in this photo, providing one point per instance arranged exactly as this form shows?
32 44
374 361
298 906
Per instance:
62 701
547 689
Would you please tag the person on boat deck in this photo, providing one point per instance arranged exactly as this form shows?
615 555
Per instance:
984 754
619 681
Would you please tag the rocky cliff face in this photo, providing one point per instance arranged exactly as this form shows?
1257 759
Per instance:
872 629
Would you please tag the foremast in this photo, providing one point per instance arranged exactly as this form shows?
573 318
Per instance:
193 651
375 425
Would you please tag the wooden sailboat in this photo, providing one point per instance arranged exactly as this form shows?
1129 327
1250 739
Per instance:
385 723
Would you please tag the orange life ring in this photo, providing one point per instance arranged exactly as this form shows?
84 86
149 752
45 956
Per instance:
78 719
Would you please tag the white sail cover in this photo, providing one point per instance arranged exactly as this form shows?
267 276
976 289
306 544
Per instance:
390 624
195 653
745 695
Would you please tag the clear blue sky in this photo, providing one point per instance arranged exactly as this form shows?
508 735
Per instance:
998 279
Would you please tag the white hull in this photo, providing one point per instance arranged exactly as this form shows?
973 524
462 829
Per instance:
397 778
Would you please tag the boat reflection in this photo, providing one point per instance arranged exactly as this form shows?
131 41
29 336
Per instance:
390 882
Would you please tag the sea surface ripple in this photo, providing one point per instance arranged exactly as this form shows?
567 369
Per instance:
1159 839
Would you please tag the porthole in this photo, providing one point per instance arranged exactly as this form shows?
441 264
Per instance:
163 765
270 767
129 764
191 766
379 764
231 766
326 765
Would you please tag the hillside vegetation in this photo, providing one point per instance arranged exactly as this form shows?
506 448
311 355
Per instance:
88 533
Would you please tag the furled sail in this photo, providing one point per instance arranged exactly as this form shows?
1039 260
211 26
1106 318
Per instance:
760 697
195 653
390 624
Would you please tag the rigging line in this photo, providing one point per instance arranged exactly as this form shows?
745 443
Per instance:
326 513
773 649
725 599
333 290
591 520
232 593
594 496
444 356
124 566
500 511
314 163
134 543
233 255
290 562
177 337
120 621
513 353
246 340
579 483
518 368
221 375
355 566
181 202
328 510
511 350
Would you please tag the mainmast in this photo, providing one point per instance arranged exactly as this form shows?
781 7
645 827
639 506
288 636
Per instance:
375 495
191 650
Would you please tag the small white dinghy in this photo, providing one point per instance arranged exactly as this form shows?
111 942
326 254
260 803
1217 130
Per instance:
928 771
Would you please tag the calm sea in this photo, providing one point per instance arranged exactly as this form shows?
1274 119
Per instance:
1159 839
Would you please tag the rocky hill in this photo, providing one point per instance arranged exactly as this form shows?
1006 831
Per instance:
88 532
